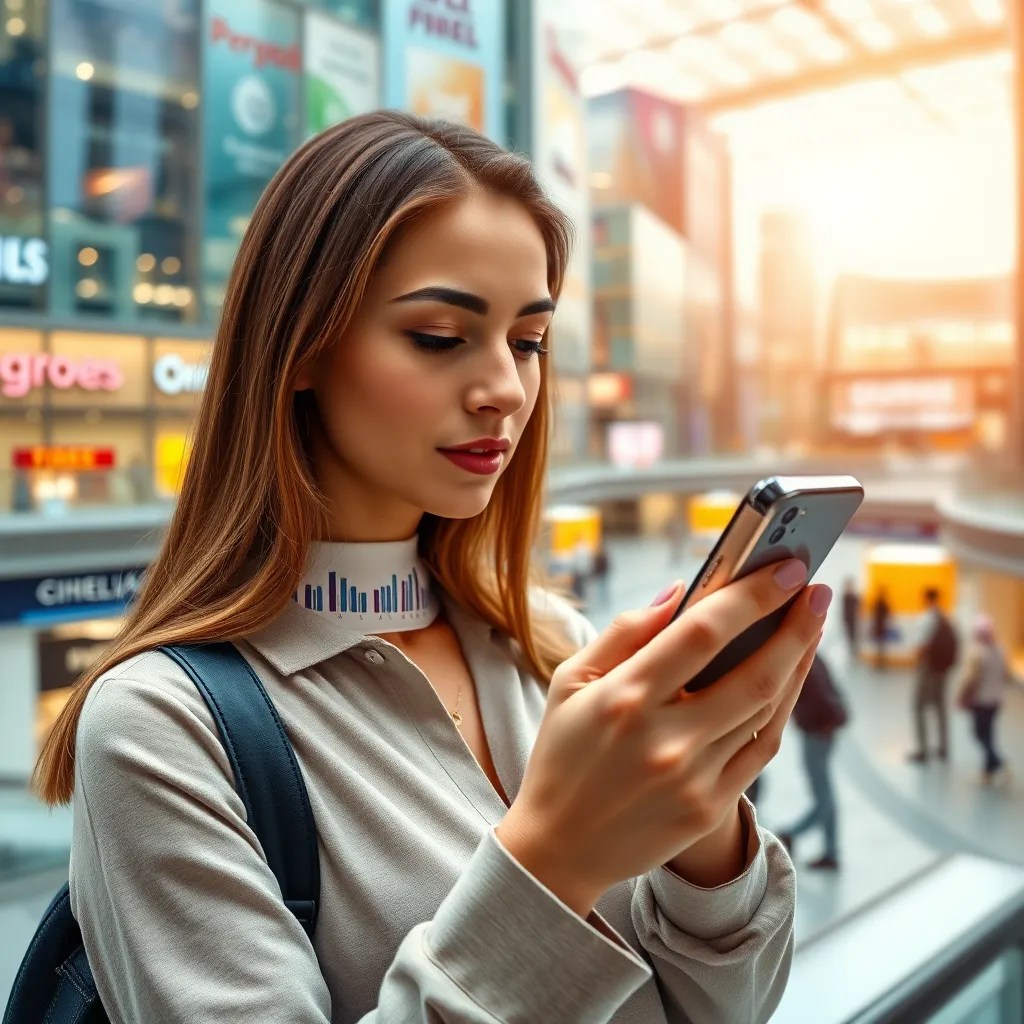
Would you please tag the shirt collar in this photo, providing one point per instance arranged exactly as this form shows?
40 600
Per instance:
298 638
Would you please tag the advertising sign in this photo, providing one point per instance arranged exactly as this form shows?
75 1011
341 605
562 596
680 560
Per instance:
635 445
635 144
252 73
560 156
870 406
46 599
62 458
342 69
445 59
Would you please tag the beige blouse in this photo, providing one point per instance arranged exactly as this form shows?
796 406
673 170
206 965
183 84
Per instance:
424 916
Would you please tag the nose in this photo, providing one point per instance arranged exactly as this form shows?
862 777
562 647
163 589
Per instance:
496 387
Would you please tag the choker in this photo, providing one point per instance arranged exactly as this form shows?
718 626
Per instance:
369 588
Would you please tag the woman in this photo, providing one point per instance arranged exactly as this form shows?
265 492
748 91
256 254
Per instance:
508 830
982 691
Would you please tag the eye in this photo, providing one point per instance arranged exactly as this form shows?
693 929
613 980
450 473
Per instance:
528 348
434 342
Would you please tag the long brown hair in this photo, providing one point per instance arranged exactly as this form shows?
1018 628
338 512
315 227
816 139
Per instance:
236 545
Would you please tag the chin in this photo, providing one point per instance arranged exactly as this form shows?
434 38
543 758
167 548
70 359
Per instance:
459 504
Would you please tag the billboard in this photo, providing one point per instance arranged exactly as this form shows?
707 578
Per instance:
560 157
874 405
635 445
252 71
636 145
446 60
342 68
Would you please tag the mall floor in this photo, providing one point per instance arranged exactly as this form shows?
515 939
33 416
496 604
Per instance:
895 818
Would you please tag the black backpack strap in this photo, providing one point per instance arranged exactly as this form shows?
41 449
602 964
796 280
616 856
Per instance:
267 775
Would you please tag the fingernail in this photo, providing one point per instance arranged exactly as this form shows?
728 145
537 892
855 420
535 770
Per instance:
791 574
821 598
665 594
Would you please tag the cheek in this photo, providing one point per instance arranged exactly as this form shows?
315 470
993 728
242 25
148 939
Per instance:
531 383
373 397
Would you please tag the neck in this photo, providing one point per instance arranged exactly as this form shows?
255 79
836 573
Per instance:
369 587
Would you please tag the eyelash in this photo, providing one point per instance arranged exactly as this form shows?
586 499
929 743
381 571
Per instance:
438 344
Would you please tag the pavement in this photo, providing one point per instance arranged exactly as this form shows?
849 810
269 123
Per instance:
895 818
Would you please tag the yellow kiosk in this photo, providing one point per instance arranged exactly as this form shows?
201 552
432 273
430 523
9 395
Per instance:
903 572
573 535
708 516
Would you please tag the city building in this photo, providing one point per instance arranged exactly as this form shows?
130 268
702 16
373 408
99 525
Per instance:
652 153
788 362
639 385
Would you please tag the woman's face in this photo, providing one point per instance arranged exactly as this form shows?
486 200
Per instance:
441 358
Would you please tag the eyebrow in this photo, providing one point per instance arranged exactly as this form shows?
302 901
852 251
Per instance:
474 303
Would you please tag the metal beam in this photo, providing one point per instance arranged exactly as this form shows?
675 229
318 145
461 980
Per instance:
881 65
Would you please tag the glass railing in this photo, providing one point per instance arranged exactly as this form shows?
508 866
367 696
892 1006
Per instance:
946 948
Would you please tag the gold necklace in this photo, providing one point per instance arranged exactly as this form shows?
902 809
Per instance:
456 717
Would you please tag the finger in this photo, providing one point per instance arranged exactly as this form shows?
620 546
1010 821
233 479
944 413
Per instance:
759 680
687 645
748 763
627 634
724 749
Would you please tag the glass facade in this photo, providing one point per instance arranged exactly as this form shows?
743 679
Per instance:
24 263
136 137
123 115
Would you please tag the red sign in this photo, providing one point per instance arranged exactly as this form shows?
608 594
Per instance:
263 51
63 458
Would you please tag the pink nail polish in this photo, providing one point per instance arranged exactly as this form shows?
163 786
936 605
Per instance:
664 595
821 598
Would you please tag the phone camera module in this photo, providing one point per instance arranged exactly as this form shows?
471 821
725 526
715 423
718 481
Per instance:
777 535
789 516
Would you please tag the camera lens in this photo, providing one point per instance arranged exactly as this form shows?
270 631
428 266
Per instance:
790 515
777 535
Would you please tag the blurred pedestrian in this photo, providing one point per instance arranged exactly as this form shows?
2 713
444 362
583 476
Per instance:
981 692
881 626
581 567
935 659
820 711
602 567
851 616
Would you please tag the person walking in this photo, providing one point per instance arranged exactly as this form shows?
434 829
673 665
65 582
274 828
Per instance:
881 624
851 617
937 656
981 692
602 567
819 713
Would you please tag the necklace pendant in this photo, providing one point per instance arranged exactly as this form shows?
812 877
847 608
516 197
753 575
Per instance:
456 718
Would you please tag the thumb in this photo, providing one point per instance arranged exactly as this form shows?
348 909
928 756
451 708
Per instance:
627 634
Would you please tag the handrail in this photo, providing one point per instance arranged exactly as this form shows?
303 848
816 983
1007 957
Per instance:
901 958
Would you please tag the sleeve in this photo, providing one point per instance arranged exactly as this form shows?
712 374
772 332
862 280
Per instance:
181 916
579 629
721 954
183 920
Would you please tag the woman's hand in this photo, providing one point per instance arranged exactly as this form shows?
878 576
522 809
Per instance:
628 771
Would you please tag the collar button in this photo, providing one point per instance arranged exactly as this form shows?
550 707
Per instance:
373 657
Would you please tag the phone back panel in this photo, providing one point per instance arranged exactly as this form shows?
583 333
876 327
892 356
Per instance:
753 541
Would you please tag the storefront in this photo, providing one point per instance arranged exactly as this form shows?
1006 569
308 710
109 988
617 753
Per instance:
919 363
52 628
91 419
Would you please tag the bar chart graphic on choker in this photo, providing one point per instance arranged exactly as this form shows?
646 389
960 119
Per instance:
337 594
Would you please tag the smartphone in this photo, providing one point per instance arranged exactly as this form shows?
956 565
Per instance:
781 517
